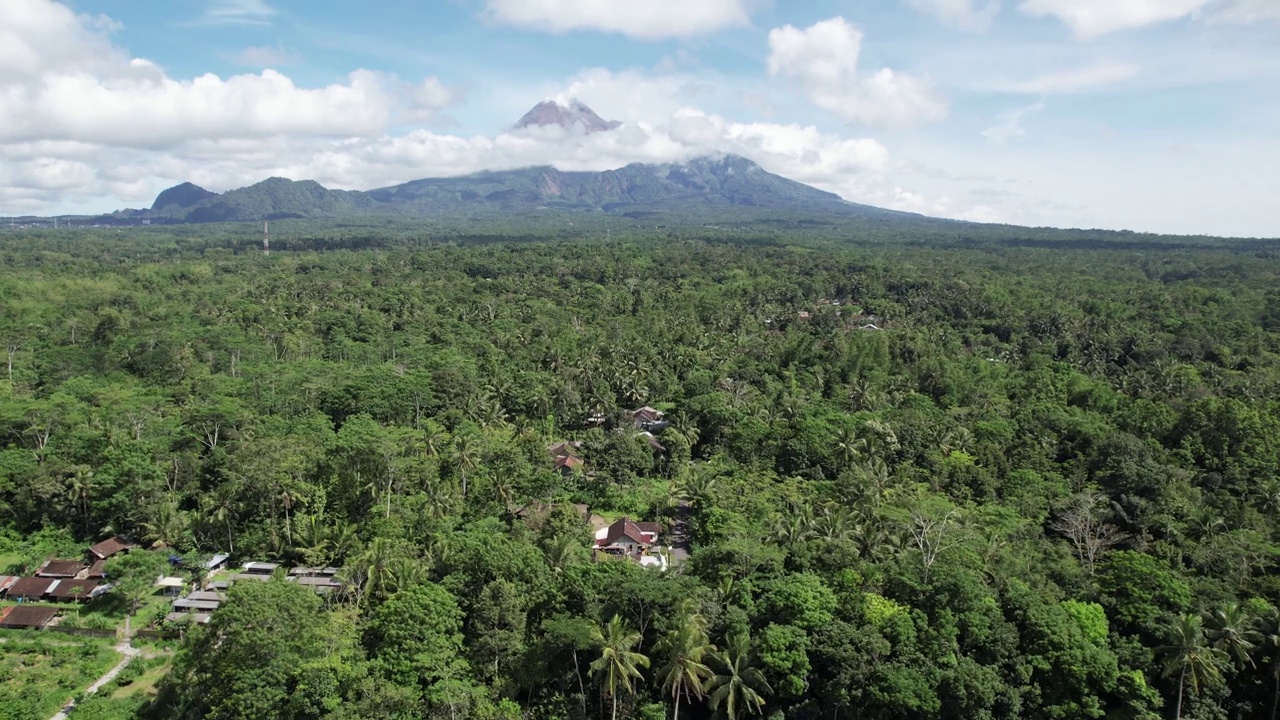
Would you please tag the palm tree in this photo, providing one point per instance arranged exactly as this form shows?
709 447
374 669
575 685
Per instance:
739 686
1233 630
684 648
376 567
1190 657
619 663
466 458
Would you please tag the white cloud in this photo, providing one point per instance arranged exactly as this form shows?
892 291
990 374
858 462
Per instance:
1069 82
943 206
970 15
1010 124
427 98
823 58
1090 19
640 19
141 107
237 12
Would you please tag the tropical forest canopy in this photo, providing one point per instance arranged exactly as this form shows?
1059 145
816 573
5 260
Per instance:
1044 482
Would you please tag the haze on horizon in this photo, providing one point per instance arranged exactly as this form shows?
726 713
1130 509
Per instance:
1118 114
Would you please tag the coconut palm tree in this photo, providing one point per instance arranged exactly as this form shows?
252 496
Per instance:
685 647
738 686
618 662
1233 630
1190 657
466 458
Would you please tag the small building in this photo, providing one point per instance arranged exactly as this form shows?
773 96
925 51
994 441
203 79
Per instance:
217 561
568 464
313 572
260 568
317 583
26 617
628 538
259 577
97 571
6 581
171 585
207 596
60 569
804 315
30 588
186 605
650 419
109 547
188 617
75 590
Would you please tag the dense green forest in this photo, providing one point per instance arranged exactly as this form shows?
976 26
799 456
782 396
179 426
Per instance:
1044 484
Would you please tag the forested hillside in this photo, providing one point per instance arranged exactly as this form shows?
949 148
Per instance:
986 482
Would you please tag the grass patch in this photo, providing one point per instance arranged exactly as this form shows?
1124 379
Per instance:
40 672
141 677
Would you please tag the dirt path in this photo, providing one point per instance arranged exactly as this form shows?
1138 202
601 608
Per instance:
128 651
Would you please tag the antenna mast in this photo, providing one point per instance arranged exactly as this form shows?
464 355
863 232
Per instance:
266 237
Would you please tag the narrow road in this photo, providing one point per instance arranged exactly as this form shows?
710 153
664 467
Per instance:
128 651
680 534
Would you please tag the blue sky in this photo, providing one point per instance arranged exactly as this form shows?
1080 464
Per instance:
1152 115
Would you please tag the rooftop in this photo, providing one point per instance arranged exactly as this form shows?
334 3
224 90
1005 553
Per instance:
27 616
109 547
60 569
74 590
30 587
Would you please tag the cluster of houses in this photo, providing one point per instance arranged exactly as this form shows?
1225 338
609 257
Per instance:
59 580
858 320
197 606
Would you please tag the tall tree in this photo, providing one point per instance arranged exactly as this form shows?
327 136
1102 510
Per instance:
738 686
1189 656
684 648
618 661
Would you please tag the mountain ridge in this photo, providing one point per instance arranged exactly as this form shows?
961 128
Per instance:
637 189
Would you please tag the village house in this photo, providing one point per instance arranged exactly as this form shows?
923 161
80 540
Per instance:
632 540
75 590
650 419
565 457
107 548
25 617
60 569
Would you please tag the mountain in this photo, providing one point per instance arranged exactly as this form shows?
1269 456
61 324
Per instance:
575 116
704 189
271 199
181 196
707 187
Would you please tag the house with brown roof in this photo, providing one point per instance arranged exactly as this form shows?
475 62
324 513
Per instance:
651 419
60 569
109 547
568 464
97 571
26 617
74 590
32 588
627 538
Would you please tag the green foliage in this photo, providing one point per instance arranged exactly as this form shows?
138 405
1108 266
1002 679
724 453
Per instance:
997 506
